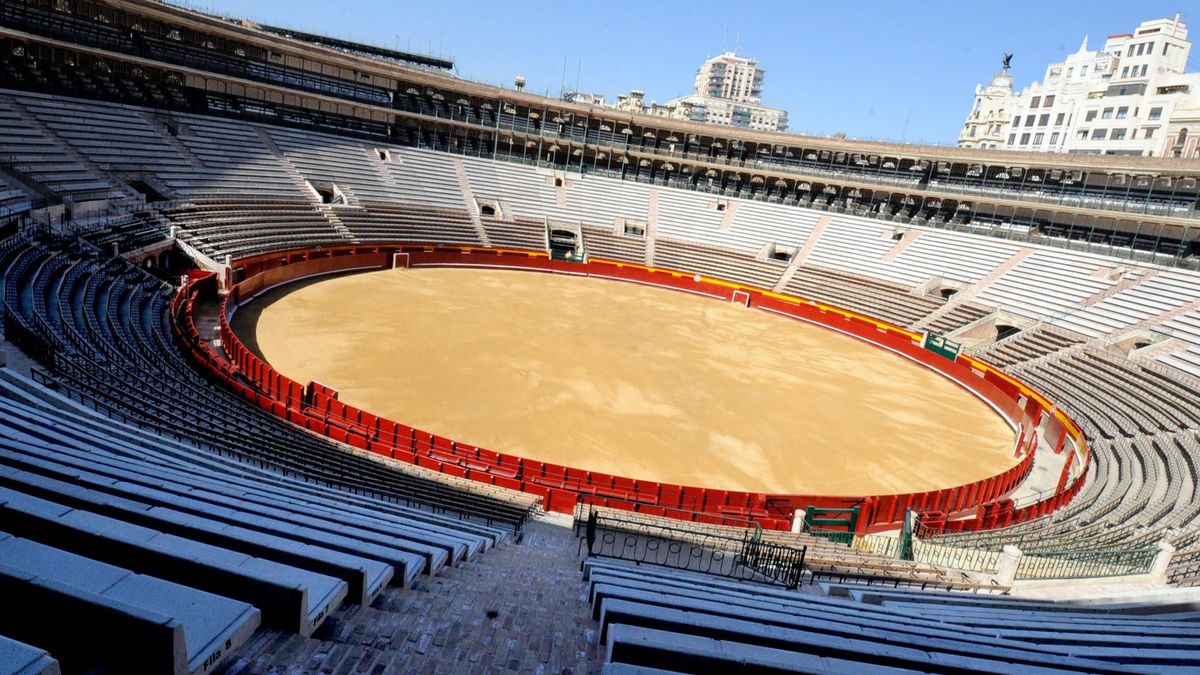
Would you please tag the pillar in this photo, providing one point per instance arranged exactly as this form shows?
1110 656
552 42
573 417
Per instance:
1158 569
1006 569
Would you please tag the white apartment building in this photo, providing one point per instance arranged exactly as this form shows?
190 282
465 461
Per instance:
1133 97
728 91
988 122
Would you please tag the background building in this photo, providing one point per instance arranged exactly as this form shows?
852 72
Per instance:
728 91
988 122
1133 97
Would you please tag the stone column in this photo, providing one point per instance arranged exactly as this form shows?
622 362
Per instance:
1158 569
1006 570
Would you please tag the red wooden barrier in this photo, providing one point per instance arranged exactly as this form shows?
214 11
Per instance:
560 487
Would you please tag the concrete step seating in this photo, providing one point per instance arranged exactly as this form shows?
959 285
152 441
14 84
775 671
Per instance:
664 618
130 343
290 598
19 658
107 615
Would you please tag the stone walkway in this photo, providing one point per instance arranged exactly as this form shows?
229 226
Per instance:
517 608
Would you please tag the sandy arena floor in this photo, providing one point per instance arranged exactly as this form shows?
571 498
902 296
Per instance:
628 380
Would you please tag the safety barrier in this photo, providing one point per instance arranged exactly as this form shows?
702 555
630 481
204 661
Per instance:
315 407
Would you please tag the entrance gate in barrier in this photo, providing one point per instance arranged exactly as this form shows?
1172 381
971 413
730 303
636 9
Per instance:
831 521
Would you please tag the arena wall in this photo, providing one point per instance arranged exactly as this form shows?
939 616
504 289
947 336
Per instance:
979 505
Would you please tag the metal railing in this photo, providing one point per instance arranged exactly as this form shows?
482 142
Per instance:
747 558
1085 564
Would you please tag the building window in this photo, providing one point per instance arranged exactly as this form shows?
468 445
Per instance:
1054 138
1024 139
1012 139
1044 120
1148 132
1155 113
1037 100
1030 120
1049 101
1130 50
1083 71
1091 115
1037 139
1125 71
1070 71
1144 67
1017 120
1059 120
1118 134
1099 134
1107 114
1083 134
1122 112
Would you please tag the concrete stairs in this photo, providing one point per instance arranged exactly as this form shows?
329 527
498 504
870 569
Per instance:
797 260
1155 320
908 238
71 152
290 169
464 184
651 225
381 171
1052 357
331 215
172 141
560 194
969 293
515 608
729 213
1124 284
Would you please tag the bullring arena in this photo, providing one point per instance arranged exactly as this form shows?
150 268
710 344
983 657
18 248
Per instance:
629 380
318 357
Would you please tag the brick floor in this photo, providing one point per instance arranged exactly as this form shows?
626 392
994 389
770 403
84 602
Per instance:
516 608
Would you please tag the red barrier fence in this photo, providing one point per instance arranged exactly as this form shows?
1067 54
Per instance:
316 407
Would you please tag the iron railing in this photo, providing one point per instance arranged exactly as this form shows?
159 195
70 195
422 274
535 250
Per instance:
1085 564
676 546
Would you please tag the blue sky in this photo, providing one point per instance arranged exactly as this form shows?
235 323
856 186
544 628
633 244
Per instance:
873 69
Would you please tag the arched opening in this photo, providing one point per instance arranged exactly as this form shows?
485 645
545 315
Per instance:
947 293
487 210
558 182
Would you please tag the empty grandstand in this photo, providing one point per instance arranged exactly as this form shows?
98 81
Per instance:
171 503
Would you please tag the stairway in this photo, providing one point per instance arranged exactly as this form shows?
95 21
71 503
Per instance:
288 168
174 142
967 294
727 219
651 225
1155 320
908 238
331 215
797 260
1142 274
464 185
70 151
